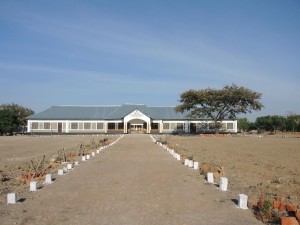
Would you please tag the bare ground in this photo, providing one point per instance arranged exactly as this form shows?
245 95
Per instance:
254 165
134 182
17 152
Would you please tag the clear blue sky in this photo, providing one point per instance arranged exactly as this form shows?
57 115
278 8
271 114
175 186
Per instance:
148 52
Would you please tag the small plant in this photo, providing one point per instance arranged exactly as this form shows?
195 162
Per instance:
263 210
275 181
267 206
190 157
61 156
164 142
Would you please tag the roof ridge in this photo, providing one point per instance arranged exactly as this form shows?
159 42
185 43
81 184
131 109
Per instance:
133 104
86 105
162 106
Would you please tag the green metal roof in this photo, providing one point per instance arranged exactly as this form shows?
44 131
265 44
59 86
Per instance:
106 112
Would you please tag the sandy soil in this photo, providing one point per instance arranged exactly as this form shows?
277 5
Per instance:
134 182
256 164
21 148
16 152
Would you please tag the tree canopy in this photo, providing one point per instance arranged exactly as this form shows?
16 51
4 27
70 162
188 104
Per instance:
219 104
8 121
13 116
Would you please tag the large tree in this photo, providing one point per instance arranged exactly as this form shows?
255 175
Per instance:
13 117
8 121
219 104
271 123
21 112
293 122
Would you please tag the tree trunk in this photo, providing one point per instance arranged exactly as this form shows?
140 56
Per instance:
217 130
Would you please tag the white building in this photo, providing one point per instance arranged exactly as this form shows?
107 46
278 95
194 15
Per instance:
127 118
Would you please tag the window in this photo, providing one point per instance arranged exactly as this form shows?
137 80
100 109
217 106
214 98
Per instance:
230 126
202 126
154 126
54 126
99 126
166 126
179 126
74 126
35 125
173 126
47 126
41 125
87 126
120 126
111 126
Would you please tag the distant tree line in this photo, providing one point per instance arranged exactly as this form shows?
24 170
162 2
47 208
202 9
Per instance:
13 118
290 123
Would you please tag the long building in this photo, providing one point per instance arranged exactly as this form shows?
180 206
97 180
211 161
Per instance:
127 118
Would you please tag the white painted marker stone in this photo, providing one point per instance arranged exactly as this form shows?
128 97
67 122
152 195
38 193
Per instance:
93 154
242 201
210 177
60 172
223 183
196 165
48 179
186 162
98 151
88 156
191 164
76 163
11 198
69 166
65 169
33 186
178 157
83 158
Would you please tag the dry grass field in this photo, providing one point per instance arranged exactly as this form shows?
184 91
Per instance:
17 153
254 165
132 182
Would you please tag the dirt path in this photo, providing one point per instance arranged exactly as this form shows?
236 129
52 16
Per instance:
134 182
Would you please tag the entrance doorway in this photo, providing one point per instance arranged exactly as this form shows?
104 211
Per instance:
136 128
59 128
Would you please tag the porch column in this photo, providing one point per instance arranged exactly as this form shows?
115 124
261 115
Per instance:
125 127
160 128
29 126
105 127
67 126
187 127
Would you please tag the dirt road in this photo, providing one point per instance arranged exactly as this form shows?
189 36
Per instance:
134 182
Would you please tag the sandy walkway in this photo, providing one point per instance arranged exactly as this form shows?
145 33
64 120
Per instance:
134 182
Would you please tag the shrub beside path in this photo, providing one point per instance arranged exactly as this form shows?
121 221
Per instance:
133 182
